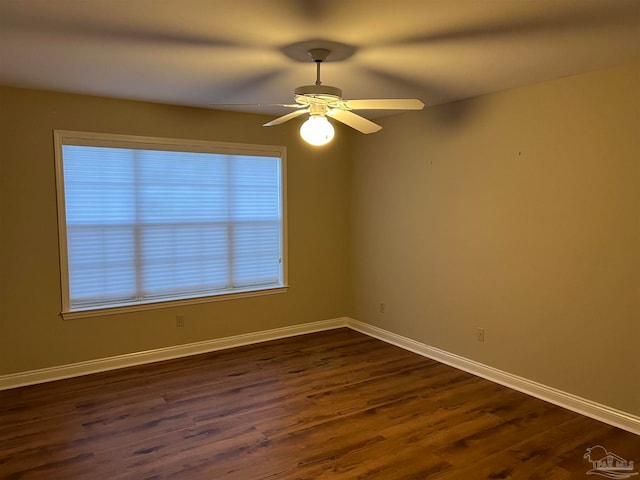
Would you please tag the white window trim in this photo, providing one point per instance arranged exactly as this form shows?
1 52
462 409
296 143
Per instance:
62 137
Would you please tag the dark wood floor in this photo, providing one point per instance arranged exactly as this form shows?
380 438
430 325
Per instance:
335 404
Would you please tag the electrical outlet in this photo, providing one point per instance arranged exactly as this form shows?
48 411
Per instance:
480 334
382 308
179 320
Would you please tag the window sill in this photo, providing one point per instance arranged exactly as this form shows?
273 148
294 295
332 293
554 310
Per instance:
156 304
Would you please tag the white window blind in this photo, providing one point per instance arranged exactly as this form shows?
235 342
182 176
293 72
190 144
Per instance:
147 224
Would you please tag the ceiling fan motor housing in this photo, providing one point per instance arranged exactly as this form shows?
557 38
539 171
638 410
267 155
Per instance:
319 91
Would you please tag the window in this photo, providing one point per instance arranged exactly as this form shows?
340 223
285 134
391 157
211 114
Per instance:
148 220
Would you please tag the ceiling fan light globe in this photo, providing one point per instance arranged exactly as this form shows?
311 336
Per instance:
317 130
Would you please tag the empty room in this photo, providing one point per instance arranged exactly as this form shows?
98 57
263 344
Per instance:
319 239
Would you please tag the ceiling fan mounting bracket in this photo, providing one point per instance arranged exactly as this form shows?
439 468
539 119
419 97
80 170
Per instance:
300 51
319 54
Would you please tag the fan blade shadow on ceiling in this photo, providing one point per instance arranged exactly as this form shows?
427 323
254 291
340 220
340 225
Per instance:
600 14
66 27
312 10
429 94
237 87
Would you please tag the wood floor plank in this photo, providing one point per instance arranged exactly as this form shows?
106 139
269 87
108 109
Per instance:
330 405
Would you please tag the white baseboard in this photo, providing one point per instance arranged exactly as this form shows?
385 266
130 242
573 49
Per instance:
167 353
611 416
566 400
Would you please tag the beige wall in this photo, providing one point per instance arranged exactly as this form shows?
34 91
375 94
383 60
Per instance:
518 212
33 336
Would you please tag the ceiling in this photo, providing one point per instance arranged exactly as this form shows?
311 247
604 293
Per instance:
201 52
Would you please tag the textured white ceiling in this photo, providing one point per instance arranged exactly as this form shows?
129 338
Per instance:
198 52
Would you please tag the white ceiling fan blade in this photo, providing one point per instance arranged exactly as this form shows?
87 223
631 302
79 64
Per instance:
287 105
385 104
354 121
285 118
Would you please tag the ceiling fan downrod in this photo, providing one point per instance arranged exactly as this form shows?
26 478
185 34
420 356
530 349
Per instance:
318 55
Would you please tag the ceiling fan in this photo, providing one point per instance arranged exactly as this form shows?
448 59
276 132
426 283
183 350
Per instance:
322 101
